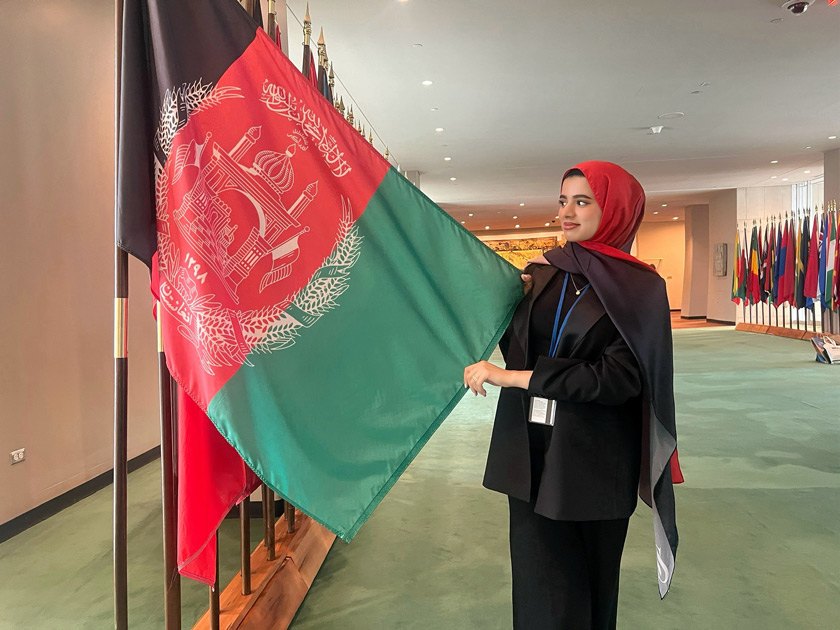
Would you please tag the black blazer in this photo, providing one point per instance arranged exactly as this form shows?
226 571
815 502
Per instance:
591 469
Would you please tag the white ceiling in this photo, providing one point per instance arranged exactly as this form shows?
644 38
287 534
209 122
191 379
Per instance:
526 90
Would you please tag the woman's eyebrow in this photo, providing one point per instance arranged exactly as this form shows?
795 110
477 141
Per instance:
576 197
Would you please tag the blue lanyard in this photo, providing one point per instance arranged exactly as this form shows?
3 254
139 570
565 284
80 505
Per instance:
556 334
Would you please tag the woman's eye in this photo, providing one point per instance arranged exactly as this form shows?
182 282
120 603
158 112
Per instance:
581 202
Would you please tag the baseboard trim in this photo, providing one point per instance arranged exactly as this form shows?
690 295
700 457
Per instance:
54 506
725 322
695 317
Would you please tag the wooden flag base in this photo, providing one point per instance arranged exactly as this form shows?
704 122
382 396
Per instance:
280 585
778 331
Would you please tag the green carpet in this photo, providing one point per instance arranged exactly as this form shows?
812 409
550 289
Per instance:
759 521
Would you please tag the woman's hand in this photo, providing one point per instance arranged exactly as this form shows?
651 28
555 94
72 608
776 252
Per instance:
527 282
477 374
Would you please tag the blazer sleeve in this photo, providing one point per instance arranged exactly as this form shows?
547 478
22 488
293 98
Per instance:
613 379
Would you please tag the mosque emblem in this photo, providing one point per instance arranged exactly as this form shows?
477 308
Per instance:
263 230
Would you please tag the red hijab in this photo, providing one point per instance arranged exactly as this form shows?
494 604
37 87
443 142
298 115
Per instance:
622 202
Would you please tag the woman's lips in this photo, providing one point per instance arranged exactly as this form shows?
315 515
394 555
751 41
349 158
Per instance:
570 226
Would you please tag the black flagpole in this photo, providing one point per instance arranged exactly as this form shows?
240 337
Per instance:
171 578
214 593
120 536
245 544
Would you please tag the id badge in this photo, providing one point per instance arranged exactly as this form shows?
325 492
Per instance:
542 411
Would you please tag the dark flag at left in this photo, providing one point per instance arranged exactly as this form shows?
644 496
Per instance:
161 88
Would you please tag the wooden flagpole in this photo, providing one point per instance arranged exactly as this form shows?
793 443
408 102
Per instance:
120 366
171 577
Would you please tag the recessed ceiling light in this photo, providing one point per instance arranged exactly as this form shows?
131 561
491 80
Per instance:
676 218
656 212
772 177
547 224
470 214
832 137
515 217
463 222
517 225
452 179
807 171
671 115
784 179
426 83
438 129
447 159
521 205
433 109
774 161
486 227
806 147
664 205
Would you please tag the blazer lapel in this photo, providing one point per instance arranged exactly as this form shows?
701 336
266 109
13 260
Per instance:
585 315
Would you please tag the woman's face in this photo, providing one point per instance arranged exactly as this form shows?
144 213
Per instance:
580 214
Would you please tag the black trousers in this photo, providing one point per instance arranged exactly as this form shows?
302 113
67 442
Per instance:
565 573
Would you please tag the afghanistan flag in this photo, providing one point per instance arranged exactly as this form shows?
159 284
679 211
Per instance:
317 307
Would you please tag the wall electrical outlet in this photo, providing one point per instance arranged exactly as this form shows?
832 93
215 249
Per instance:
16 457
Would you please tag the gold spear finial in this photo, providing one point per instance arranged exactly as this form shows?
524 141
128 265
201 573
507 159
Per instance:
387 154
341 105
331 78
322 50
350 115
370 137
307 27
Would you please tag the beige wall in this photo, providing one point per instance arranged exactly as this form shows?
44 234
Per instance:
697 261
56 252
665 241
723 208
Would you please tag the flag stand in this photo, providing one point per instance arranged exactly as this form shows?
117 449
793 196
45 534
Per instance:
277 587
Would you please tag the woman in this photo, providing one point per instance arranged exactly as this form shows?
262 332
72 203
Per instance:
585 418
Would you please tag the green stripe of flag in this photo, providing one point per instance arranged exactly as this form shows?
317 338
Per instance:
332 421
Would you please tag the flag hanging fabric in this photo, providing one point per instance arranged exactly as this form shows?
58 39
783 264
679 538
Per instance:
790 263
782 265
802 247
777 262
769 264
753 291
736 269
318 307
812 268
821 267
830 259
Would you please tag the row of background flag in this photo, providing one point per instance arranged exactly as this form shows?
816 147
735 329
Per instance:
791 260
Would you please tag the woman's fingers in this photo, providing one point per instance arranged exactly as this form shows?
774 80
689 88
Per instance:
527 282
475 376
